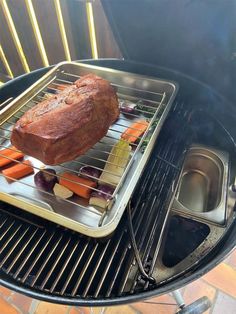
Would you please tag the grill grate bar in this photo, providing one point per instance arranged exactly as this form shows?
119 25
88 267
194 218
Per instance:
64 267
72 272
124 126
27 257
31 103
90 280
60 86
37 258
84 270
6 231
21 251
13 247
3 223
57 259
46 260
144 112
106 152
52 88
10 237
107 268
117 270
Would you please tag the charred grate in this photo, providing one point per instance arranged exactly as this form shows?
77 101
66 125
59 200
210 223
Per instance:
49 258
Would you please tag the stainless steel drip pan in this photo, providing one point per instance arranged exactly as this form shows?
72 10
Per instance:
156 97
203 186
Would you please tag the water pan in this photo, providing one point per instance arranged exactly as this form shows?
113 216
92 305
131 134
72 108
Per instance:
203 186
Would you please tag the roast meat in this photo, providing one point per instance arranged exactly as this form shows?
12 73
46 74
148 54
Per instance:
67 124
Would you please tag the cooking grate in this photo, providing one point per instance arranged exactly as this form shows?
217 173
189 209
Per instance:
151 107
55 260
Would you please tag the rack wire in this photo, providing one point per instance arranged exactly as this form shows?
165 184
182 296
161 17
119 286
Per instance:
97 156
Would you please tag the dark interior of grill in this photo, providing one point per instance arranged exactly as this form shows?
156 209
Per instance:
183 237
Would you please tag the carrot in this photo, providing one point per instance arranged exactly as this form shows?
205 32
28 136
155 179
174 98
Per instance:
134 131
11 153
18 171
76 187
59 86
63 86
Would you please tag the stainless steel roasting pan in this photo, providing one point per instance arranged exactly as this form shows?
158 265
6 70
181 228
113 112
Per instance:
155 97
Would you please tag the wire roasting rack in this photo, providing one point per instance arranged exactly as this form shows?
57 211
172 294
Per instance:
151 104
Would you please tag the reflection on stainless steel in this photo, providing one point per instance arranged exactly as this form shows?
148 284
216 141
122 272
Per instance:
203 186
194 191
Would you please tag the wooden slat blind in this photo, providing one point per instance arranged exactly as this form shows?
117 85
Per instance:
8 46
4 65
35 33
25 31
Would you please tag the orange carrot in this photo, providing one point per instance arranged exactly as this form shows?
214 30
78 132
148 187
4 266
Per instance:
134 131
63 86
76 187
18 171
11 153
59 86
